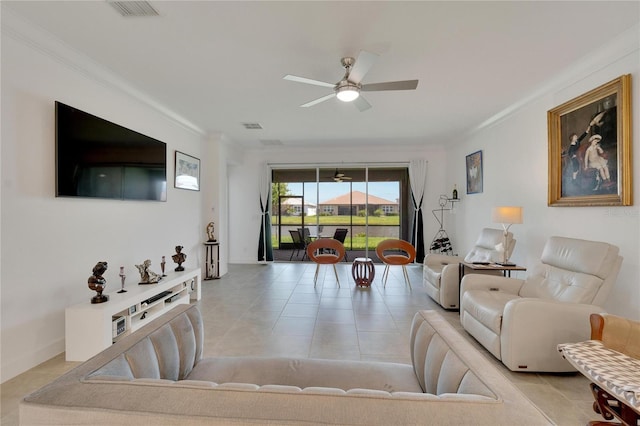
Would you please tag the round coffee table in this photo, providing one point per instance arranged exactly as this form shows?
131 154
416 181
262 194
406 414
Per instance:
363 271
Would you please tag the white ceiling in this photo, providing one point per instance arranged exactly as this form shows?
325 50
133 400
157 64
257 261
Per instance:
220 64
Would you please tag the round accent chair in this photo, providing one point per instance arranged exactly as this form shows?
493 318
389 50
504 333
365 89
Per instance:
325 251
395 252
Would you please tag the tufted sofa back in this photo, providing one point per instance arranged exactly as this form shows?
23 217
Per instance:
575 271
437 365
170 352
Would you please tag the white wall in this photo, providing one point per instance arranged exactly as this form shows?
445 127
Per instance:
515 173
244 223
49 244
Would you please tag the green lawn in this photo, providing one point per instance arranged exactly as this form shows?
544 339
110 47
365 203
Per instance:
355 242
338 220
358 242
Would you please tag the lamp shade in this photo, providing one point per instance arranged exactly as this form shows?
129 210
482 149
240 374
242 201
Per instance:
507 214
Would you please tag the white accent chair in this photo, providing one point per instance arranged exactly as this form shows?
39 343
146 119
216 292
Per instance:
521 322
440 273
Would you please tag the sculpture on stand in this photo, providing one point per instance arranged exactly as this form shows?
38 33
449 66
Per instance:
147 276
97 283
179 258
122 279
210 233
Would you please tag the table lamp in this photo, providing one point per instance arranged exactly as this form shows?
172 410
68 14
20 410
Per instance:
507 216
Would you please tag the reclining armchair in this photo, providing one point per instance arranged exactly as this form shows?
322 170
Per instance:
521 322
440 273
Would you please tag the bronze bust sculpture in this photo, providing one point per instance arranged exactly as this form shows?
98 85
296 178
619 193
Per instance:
97 283
179 258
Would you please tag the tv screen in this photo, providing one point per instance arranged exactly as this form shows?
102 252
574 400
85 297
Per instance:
99 159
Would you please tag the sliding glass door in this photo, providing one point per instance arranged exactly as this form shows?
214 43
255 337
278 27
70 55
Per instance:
370 203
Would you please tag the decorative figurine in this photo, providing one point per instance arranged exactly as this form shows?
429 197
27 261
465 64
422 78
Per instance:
98 283
210 232
162 266
147 276
179 258
122 278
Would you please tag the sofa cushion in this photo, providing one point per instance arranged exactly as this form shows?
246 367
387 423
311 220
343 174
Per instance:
438 367
304 373
168 352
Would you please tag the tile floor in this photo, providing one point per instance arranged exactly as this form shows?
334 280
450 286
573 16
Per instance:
275 310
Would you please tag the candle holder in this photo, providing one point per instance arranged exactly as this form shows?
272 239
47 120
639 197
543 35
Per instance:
162 266
123 277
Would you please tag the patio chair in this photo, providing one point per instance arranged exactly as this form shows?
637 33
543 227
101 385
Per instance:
340 234
298 244
305 234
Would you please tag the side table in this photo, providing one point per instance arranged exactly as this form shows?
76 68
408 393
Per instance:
212 263
363 271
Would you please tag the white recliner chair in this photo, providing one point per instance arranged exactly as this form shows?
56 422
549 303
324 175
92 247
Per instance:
521 322
440 273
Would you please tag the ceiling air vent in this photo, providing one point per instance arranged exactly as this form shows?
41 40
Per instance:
134 8
252 126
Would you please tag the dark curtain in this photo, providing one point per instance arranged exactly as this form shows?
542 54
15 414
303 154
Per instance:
265 234
417 221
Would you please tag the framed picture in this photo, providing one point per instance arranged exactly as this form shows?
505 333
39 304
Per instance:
590 148
187 172
474 173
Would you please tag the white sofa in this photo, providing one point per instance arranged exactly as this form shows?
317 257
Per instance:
440 273
158 376
521 322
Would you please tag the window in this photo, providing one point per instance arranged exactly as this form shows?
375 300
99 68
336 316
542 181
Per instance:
388 209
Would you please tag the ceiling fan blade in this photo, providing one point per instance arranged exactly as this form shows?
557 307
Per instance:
317 101
361 103
390 85
307 81
364 62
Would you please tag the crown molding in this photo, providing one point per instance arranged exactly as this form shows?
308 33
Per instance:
36 38
617 49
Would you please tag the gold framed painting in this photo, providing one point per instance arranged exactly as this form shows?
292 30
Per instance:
590 148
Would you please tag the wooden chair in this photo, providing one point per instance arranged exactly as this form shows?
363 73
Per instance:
622 336
390 253
325 251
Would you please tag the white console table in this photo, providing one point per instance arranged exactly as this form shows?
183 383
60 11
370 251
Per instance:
89 328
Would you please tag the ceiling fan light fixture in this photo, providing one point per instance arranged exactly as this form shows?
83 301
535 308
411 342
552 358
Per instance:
348 93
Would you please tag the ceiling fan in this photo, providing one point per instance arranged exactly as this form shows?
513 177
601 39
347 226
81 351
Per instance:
340 177
348 89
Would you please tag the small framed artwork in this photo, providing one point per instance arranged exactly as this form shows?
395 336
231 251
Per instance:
187 172
590 148
474 173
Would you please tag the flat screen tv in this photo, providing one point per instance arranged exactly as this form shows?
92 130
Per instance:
99 159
